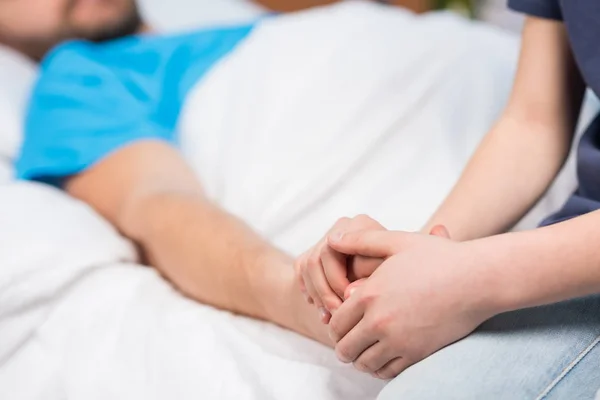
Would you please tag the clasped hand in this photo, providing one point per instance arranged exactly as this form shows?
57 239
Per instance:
391 299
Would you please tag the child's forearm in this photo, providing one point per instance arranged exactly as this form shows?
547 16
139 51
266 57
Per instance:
511 170
542 266
520 157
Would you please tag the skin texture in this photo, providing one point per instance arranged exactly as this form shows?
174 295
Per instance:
324 275
431 291
404 313
327 277
151 195
35 26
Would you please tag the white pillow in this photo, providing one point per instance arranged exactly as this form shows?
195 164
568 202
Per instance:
17 75
185 14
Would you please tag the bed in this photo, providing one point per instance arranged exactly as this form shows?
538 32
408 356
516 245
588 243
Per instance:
81 319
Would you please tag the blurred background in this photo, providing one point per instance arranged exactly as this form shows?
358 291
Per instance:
220 11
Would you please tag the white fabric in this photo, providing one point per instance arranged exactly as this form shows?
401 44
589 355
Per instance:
376 114
17 74
183 14
326 113
48 243
91 325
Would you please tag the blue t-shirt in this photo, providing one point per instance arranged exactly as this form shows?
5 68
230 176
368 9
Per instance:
92 99
582 22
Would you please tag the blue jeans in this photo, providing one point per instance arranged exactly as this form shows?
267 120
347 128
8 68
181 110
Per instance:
549 353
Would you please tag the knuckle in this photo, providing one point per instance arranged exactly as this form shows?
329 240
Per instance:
365 299
380 325
395 367
393 370
388 373
363 218
362 366
343 354
342 221
365 221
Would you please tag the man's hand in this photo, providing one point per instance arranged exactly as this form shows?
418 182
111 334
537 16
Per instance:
148 191
325 274
425 296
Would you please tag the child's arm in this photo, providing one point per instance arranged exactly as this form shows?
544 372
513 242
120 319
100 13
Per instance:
542 266
431 292
523 153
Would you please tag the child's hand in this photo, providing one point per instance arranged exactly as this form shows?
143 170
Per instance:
324 274
368 264
392 321
327 277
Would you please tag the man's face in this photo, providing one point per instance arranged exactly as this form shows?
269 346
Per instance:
41 24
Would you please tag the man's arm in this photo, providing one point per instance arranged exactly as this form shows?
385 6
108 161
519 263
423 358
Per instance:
523 153
151 195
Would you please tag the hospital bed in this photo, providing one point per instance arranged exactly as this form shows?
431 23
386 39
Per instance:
81 319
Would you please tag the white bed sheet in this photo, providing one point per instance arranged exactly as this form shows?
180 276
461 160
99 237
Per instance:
313 118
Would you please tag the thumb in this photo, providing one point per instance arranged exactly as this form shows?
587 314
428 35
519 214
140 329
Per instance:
369 243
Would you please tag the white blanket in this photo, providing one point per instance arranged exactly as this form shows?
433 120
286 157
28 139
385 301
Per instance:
330 112
350 109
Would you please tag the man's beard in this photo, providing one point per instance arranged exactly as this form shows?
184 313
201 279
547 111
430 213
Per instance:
129 24
36 47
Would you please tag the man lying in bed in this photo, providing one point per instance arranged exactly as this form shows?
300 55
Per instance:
101 125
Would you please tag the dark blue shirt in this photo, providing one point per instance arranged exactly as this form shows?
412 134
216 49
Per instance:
582 21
